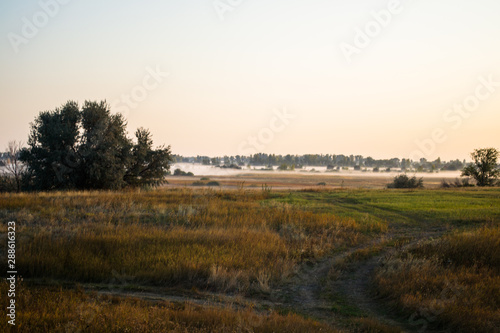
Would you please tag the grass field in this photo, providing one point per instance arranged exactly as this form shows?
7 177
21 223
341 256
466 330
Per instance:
454 281
220 260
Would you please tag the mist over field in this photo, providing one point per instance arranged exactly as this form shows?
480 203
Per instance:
207 170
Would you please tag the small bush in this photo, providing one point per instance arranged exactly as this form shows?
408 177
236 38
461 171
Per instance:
403 181
179 172
231 166
205 178
464 182
7 184
200 183
321 184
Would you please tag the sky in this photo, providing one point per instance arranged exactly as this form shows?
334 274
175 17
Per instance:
408 79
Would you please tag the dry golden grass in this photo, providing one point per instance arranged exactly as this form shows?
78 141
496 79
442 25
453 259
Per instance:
58 310
453 282
228 241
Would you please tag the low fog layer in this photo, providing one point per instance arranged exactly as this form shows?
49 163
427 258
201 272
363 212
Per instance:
208 170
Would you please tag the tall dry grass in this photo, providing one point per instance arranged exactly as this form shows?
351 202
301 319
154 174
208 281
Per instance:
223 240
453 282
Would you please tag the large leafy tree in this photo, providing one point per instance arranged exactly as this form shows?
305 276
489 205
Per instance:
484 168
89 149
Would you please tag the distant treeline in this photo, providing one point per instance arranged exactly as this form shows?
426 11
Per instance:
330 161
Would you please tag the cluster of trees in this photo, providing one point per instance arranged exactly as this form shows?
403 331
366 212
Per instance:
484 170
87 148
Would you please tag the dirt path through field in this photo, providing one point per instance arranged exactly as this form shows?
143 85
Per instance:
355 284
314 290
309 291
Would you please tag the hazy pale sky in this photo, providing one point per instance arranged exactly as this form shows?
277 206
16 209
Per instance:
389 78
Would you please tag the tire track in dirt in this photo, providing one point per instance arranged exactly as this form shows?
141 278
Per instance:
304 293
235 302
356 285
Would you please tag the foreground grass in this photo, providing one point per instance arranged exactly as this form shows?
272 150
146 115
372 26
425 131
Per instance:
57 310
245 242
227 241
452 282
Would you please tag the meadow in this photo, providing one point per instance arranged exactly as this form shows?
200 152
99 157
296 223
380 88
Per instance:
203 260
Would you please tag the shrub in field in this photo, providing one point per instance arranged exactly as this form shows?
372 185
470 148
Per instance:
179 172
403 181
200 183
285 167
7 183
464 182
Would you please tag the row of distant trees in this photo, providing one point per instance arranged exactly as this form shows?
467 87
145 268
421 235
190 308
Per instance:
85 148
328 160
